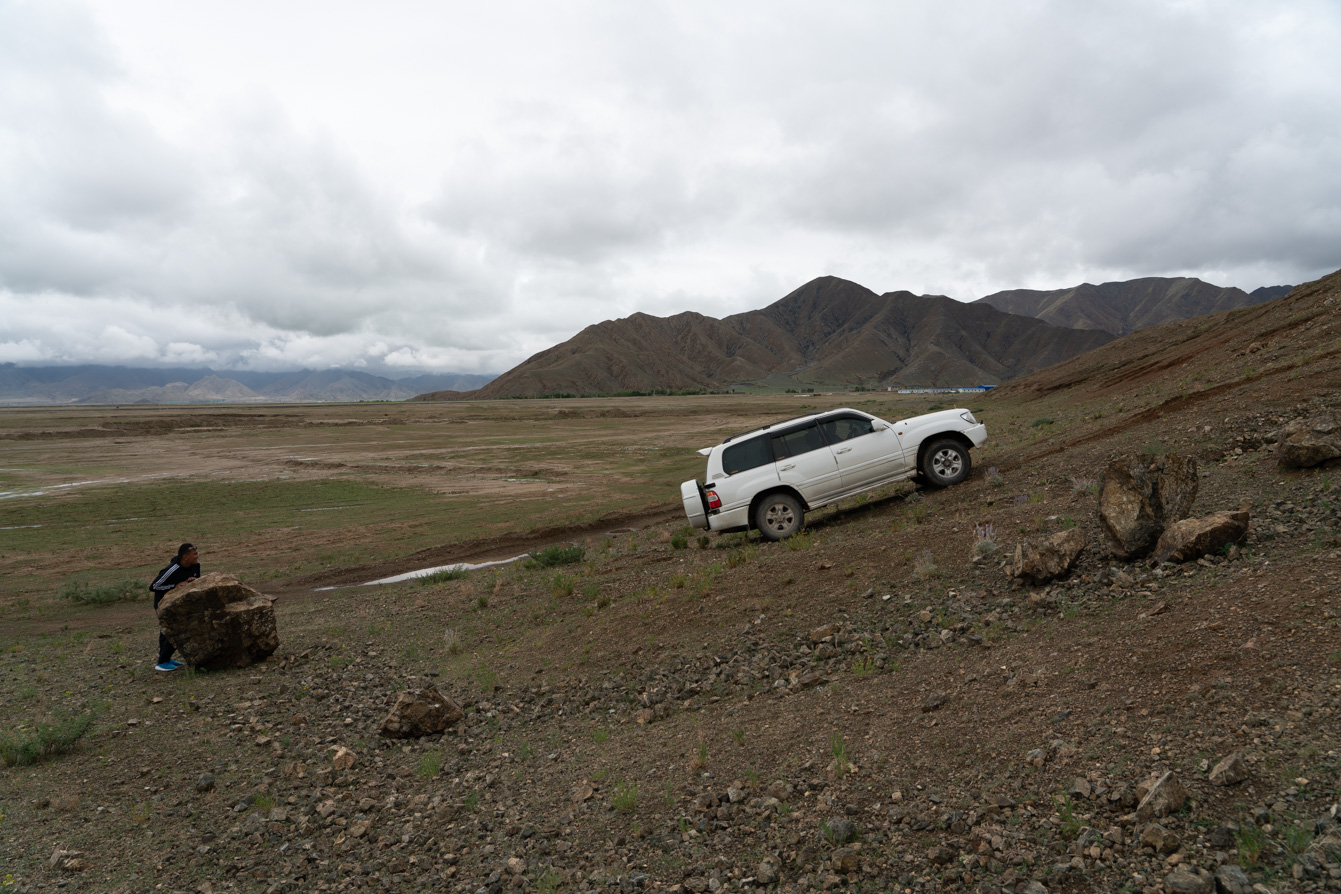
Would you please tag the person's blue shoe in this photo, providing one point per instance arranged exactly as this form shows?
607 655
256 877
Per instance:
167 666
177 663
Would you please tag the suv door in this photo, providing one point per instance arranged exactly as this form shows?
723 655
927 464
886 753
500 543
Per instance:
806 462
866 452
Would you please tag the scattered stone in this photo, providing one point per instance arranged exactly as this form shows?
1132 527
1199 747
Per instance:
65 860
1138 501
1040 561
1161 839
1185 880
1231 770
934 701
205 783
1309 442
1166 795
421 712
1192 538
766 873
343 759
1231 879
217 622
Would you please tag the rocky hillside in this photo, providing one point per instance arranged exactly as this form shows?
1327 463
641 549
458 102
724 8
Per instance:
828 333
1124 307
876 705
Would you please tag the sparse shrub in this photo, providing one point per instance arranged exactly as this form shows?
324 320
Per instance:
430 765
551 556
994 477
44 740
562 585
984 543
838 745
862 665
439 577
1152 450
1041 421
801 540
482 601
680 539
82 593
452 640
703 541
625 797
1084 485
1249 840
1070 822
924 566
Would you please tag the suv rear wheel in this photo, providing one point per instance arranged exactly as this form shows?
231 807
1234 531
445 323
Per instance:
945 462
778 516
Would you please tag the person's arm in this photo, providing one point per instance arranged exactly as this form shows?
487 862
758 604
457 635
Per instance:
164 581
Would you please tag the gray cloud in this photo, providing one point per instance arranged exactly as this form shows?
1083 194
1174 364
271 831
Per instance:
457 187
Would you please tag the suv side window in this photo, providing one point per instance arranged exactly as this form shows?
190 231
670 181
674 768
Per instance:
746 455
845 428
797 441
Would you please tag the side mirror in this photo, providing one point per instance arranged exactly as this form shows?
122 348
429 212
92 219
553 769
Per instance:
877 425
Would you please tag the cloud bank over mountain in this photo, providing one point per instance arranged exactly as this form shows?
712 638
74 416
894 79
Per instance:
457 187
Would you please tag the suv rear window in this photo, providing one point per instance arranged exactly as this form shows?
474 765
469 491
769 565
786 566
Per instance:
746 455
797 441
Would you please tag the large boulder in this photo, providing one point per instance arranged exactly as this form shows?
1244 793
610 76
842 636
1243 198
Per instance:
218 622
1192 538
1138 501
1309 442
1040 561
421 712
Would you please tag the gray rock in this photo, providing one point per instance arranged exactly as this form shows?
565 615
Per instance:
1137 502
1161 839
1231 770
1189 881
1307 443
421 712
766 873
217 622
1165 796
205 783
1230 879
1192 538
934 701
1040 561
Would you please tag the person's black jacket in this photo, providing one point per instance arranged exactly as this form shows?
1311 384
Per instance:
172 575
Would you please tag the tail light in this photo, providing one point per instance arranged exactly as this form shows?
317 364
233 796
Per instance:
714 501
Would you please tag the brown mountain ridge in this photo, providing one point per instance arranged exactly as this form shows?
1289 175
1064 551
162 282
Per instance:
1124 307
828 333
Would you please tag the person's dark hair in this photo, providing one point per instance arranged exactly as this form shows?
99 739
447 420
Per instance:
184 549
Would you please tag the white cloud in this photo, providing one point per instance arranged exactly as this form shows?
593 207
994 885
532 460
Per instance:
454 186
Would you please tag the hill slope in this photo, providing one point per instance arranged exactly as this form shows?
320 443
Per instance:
1124 307
829 332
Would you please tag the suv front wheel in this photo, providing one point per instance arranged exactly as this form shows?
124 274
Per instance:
945 462
778 516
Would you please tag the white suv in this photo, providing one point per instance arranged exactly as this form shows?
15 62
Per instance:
768 478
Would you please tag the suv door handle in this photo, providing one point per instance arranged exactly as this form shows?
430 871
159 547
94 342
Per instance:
845 450
788 467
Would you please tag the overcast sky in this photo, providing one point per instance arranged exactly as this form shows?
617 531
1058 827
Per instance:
425 185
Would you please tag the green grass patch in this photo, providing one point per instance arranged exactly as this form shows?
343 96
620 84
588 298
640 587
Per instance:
44 741
84 593
552 556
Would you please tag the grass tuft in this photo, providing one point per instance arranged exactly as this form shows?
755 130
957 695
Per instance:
44 741
81 593
551 556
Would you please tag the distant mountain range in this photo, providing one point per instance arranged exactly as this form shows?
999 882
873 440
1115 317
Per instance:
834 333
828 333
54 385
1124 307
